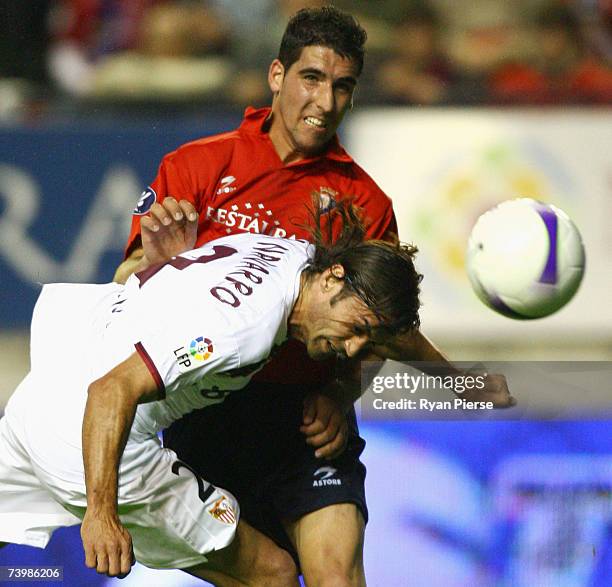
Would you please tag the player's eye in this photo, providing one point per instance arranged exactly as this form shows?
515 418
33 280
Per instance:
362 328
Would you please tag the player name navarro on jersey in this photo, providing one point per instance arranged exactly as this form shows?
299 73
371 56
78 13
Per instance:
251 270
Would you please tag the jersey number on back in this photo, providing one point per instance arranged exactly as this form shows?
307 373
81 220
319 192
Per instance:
180 263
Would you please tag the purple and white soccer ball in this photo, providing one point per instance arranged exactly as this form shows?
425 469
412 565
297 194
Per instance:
525 259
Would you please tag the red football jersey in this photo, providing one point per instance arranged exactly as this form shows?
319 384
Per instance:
238 183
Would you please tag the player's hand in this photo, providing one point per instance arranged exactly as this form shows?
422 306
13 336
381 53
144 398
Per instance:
107 545
495 390
324 425
170 229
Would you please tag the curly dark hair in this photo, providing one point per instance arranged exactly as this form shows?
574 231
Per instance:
327 27
381 273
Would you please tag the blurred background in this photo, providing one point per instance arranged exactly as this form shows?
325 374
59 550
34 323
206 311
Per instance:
462 104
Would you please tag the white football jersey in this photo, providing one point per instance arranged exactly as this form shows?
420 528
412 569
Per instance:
224 308
203 323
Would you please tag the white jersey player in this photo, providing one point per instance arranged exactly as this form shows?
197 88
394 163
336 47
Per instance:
112 365
231 302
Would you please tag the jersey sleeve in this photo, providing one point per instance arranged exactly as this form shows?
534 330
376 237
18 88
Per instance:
187 347
173 179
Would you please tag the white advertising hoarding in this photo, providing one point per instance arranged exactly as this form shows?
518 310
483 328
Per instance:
443 168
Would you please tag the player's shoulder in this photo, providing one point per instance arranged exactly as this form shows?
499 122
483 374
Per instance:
214 145
364 187
361 176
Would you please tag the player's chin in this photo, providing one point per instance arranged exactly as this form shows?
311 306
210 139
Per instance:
315 144
317 353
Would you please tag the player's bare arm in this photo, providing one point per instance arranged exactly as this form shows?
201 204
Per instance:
109 412
324 425
415 347
129 265
169 229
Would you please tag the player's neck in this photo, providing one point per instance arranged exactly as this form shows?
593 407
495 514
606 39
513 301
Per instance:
286 152
295 323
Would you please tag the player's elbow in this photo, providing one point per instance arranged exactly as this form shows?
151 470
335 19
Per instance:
127 384
100 388
128 266
110 397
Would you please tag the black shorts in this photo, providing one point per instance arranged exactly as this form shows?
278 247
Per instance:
251 445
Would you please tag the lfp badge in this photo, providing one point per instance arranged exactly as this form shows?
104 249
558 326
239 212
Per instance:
201 348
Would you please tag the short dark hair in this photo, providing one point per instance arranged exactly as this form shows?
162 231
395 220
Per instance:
326 27
381 273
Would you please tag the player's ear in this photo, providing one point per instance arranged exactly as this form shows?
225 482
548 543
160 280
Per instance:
276 74
332 277
352 102
337 271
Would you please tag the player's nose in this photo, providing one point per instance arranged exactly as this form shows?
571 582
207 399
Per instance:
325 97
355 344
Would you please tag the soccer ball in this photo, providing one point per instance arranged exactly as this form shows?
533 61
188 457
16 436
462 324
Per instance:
525 259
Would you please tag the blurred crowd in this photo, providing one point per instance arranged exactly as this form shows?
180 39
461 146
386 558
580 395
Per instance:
216 52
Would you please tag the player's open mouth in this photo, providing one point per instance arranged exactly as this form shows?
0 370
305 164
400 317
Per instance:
315 122
333 350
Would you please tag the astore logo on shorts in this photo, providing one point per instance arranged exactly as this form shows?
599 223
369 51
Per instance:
201 348
325 476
